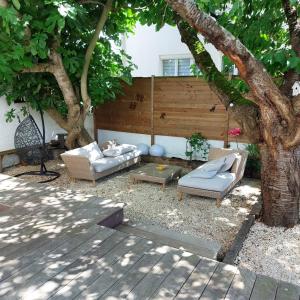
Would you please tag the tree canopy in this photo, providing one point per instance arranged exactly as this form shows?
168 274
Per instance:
31 29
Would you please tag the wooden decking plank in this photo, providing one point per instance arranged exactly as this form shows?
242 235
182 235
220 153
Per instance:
123 287
82 264
220 282
151 282
242 285
196 283
77 220
178 276
86 278
44 270
287 291
50 248
115 272
264 288
39 271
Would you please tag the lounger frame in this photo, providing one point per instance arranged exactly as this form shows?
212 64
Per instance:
238 168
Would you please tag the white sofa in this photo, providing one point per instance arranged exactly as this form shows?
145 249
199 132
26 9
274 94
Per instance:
90 163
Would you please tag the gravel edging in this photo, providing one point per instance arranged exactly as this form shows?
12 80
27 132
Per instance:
272 251
237 244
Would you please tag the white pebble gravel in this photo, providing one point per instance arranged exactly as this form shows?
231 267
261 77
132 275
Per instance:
147 203
272 251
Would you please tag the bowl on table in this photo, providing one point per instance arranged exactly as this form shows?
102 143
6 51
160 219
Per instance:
161 167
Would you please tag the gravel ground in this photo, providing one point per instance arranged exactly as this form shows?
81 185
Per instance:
146 203
272 251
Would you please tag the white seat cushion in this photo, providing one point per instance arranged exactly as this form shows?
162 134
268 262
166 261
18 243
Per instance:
90 151
106 163
218 183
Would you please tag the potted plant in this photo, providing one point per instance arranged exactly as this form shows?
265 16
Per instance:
196 144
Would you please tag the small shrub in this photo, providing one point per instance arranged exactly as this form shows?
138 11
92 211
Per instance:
253 165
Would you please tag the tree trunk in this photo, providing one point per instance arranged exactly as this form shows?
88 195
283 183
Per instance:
280 180
77 134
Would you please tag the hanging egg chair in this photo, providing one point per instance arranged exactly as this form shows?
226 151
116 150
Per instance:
31 147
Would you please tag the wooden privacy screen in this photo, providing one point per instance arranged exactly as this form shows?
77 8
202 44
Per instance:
171 106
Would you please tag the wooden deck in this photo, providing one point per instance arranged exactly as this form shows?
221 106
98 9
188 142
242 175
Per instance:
52 247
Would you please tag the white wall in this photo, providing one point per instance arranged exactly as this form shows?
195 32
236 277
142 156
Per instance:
147 47
174 146
7 130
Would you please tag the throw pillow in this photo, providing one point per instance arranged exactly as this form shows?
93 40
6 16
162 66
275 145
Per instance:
90 151
119 150
229 160
209 169
108 145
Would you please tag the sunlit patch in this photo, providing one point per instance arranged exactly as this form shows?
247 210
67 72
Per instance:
163 249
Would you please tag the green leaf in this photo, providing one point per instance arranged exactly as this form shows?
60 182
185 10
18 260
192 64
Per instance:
16 4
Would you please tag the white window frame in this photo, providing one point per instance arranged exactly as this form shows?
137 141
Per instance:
176 58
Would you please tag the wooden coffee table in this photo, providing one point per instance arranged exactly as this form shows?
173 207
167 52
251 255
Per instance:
149 172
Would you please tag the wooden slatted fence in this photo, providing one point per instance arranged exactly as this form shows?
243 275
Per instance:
170 106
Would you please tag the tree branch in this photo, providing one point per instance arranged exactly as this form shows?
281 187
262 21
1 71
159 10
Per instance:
64 82
294 29
40 68
293 140
251 70
57 117
294 25
243 111
88 56
3 3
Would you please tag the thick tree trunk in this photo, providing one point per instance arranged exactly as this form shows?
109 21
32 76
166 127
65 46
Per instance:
280 176
77 134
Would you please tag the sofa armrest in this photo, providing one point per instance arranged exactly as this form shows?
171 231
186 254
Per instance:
78 166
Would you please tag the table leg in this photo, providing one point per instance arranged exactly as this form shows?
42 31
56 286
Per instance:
180 196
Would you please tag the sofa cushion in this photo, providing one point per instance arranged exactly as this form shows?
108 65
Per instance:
90 151
218 183
119 150
108 145
106 163
229 160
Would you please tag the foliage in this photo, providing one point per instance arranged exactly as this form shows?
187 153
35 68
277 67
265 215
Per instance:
196 144
30 29
264 31
253 161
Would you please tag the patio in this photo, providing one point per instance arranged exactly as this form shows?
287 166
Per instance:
147 204
52 247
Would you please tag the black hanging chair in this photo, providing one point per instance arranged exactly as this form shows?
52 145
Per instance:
31 147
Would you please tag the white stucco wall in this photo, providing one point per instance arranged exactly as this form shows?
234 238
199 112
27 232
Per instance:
7 130
147 47
174 146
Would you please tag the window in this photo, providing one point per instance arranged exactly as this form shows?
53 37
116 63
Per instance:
184 65
169 68
176 67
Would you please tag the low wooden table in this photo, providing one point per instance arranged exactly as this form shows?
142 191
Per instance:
150 173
